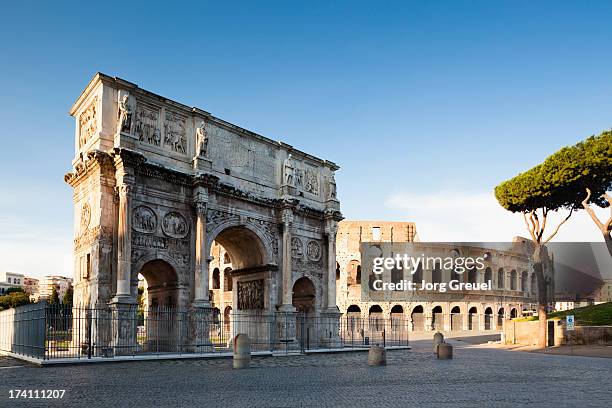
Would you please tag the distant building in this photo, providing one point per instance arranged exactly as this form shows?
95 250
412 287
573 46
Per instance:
31 287
604 292
10 280
60 283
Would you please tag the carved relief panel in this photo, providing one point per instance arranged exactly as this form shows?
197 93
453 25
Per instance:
307 255
251 295
313 251
311 181
174 225
216 217
144 219
270 231
171 238
175 132
297 248
85 218
88 123
300 175
147 124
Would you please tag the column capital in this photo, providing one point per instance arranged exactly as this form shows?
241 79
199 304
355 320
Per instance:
331 227
200 193
200 207
200 200
124 189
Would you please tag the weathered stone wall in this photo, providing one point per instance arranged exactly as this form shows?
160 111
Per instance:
601 335
527 333
521 332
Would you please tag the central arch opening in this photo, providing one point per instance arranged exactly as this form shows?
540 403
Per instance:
238 271
243 246
240 282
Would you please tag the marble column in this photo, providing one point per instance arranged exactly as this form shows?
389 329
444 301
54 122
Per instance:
286 316
124 245
331 230
202 260
201 311
124 305
287 298
330 317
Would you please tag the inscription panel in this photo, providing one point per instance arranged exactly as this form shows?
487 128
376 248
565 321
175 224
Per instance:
241 154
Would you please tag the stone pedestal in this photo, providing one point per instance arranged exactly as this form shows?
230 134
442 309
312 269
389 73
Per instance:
330 332
202 163
445 351
124 327
200 320
286 325
242 351
289 191
377 356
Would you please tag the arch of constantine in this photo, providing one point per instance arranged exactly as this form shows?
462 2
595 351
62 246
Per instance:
158 185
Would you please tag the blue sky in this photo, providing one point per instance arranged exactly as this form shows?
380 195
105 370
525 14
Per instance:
426 106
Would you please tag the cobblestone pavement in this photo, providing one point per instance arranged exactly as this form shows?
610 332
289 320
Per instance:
475 377
9 362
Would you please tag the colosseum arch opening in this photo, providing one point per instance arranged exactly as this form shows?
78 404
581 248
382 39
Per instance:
456 318
417 317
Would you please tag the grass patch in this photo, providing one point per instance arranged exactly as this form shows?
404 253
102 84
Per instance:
525 319
597 315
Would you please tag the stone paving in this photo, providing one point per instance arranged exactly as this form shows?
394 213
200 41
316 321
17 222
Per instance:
475 377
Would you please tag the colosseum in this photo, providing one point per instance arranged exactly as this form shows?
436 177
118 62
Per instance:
512 277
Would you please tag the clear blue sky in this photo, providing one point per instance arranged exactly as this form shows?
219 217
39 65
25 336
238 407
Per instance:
409 98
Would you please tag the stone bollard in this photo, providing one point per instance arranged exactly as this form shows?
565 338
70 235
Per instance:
242 351
377 356
445 351
438 338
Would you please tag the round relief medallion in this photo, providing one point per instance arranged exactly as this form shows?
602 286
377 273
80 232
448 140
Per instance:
144 219
313 251
85 217
174 225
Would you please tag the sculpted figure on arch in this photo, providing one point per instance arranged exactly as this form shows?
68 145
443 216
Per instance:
125 114
289 170
201 141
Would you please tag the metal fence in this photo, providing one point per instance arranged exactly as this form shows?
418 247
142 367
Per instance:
46 331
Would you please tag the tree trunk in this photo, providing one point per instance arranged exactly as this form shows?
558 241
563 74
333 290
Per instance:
540 257
604 227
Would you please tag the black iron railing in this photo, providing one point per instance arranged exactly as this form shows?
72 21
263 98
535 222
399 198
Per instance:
46 331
